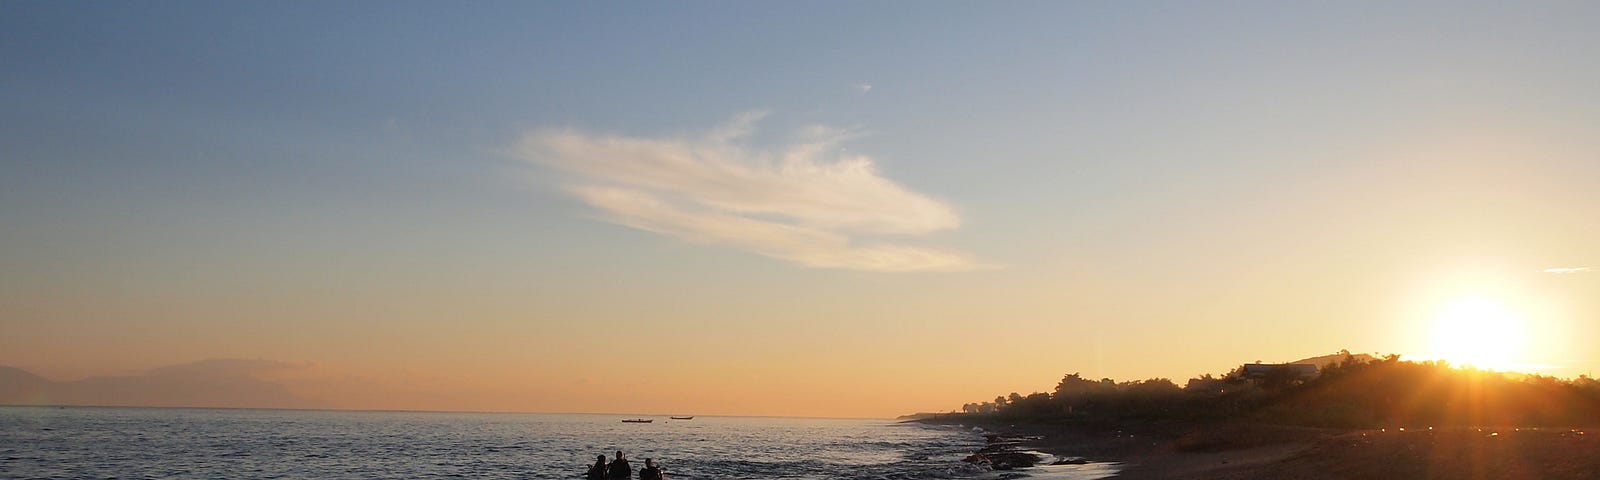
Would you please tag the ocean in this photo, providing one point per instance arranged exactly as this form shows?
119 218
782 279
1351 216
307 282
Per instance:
180 443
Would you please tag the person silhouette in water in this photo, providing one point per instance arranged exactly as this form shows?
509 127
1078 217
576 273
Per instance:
619 468
598 471
650 471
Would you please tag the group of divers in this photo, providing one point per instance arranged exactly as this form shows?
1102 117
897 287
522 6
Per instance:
619 469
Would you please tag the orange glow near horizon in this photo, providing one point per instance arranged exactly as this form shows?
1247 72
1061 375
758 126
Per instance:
1480 332
1498 315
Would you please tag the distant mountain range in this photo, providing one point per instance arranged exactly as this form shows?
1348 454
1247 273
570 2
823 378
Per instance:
207 383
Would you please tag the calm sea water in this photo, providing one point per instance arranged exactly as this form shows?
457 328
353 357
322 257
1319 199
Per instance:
102 443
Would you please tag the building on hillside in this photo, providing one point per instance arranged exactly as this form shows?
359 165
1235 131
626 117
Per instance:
1281 371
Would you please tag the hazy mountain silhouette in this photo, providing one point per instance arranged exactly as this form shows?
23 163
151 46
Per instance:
18 386
206 383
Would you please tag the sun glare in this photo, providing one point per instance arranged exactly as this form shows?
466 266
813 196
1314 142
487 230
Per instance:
1479 332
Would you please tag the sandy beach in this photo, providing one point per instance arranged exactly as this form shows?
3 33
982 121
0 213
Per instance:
1246 451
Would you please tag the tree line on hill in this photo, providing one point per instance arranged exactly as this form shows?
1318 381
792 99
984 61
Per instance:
1350 392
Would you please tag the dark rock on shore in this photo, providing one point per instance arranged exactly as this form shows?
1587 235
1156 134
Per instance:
1005 452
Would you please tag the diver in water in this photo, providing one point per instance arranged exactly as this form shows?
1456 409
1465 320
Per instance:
598 471
651 471
619 468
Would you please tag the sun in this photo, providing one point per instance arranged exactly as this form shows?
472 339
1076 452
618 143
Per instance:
1479 332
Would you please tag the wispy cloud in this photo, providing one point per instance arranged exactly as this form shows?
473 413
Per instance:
863 87
807 202
1561 270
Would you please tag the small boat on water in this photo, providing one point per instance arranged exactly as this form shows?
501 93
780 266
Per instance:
638 420
683 418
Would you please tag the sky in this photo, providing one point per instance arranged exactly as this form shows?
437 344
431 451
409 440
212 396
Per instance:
852 209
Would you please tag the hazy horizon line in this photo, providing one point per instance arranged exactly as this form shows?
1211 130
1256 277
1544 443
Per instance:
492 412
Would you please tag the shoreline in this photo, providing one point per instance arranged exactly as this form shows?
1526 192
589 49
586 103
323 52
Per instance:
1242 450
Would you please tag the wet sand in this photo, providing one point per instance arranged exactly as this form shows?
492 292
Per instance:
1249 451
1463 453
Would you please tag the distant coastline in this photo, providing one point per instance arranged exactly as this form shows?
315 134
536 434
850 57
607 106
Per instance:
216 383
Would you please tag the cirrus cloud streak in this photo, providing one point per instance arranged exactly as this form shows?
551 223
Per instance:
1565 270
805 203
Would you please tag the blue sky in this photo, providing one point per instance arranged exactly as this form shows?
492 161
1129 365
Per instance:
1124 169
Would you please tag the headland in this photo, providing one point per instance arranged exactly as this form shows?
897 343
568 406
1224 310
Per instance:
1350 418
